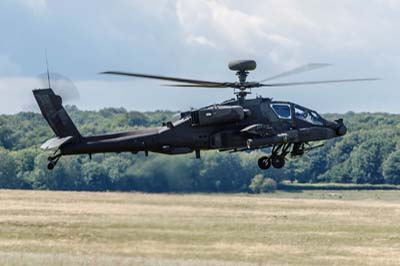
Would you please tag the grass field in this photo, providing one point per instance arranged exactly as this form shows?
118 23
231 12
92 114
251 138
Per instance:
309 228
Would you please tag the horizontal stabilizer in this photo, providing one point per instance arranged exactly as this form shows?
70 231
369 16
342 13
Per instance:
55 143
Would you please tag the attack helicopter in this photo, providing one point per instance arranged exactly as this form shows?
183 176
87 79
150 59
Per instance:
235 125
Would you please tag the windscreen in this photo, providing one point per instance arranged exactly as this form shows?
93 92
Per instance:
282 110
308 115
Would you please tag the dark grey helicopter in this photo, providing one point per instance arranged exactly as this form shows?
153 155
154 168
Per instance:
235 125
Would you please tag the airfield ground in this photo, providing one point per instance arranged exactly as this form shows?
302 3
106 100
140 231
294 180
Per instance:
308 228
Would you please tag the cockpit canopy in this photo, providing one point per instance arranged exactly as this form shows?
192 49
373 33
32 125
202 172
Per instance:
285 110
282 110
307 115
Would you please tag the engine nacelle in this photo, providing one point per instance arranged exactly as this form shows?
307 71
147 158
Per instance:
217 115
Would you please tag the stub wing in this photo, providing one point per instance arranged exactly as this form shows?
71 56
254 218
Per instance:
258 130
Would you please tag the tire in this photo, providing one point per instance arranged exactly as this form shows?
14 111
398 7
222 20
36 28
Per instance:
264 163
50 166
278 161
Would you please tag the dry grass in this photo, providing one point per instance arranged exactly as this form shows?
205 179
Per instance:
315 228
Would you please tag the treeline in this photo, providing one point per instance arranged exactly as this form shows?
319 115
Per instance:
368 154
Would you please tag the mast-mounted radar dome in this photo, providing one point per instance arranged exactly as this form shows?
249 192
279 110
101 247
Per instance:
242 65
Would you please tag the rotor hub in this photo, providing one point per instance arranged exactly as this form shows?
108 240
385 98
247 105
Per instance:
242 68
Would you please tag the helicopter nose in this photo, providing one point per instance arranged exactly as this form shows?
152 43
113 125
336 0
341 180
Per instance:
341 129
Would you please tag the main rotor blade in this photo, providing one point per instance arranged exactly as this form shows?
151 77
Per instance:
316 82
191 81
301 69
197 85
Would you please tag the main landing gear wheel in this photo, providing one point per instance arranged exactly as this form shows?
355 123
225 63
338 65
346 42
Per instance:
264 163
278 161
277 158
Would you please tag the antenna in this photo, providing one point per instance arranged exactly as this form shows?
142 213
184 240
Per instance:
47 67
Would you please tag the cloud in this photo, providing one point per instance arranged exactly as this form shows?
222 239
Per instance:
19 95
392 4
36 6
200 40
7 66
236 31
291 31
196 39
217 22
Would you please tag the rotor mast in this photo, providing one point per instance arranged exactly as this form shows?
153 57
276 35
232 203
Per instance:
242 68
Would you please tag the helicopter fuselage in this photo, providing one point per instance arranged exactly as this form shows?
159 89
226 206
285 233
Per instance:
230 126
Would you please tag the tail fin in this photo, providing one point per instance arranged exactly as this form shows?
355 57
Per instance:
51 107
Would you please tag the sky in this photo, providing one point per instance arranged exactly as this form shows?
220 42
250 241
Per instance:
197 39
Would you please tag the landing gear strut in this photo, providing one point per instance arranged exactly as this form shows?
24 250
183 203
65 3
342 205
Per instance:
277 158
53 160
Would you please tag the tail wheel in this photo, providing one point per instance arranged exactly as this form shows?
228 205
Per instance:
278 161
53 160
50 166
264 163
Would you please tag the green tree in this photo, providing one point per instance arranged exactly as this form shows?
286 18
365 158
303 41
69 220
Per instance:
66 176
8 175
260 184
222 172
268 185
367 160
360 156
5 136
391 168
256 183
95 177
